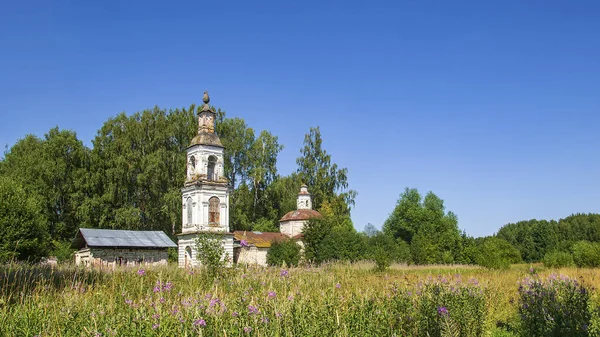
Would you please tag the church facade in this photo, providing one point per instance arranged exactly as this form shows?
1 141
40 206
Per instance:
205 203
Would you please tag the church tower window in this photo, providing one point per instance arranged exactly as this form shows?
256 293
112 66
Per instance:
189 206
213 211
212 162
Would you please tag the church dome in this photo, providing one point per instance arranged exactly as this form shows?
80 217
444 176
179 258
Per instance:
300 214
205 138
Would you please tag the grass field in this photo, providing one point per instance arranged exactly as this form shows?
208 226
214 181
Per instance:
332 300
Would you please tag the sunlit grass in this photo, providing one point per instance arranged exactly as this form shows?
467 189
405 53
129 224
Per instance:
335 299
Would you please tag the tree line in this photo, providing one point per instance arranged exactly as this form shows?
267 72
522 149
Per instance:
131 178
132 175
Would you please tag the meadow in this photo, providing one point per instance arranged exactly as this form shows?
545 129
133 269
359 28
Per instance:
331 300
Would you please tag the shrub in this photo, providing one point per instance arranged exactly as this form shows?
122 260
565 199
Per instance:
557 306
211 253
451 309
586 254
283 252
497 254
558 260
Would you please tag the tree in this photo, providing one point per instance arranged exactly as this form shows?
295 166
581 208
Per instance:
497 253
423 223
324 241
55 169
324 179
285 252
262 169
23 227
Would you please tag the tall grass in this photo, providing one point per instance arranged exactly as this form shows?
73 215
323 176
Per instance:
332 300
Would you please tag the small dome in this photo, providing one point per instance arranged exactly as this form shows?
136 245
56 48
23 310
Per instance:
300 214
206 138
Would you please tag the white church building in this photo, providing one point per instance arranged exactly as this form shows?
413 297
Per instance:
205 201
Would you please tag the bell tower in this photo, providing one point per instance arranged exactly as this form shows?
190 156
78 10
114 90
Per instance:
205 193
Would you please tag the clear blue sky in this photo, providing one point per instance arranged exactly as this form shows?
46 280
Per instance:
492 105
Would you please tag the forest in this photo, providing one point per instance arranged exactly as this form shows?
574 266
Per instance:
131 178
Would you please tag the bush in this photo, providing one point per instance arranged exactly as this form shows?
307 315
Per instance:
211 253
451 309
555 307
586 254
558 260
283 252
497 254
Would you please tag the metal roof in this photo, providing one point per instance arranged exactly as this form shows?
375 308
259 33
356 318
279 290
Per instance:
121 238
259 239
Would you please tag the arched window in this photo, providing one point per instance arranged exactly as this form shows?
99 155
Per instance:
188 257
213 211
189 206
210 172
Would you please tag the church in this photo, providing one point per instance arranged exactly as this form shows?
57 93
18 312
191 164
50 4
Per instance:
205 201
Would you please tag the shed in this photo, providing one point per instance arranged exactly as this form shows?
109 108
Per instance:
111 247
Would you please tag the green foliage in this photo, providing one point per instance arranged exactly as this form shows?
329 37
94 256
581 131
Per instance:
284 253
469 251
432 233
558 260
23 228
450 308
55 169
63 251
324 242
265 225
497 254
324 179
557 306
535 238
211 253
586 254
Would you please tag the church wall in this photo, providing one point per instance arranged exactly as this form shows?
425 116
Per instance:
253 255
292 227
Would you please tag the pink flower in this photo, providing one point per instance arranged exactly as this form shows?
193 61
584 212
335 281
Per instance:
141 272
200 322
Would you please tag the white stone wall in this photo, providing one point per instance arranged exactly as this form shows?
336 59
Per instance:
109 257
253 255
189 240
200 207
292 227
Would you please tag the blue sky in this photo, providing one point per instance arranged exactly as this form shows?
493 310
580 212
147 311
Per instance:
492 105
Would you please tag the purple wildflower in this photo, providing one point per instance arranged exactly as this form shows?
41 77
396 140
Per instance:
141 272
338 285
443 311
283 273
272 294
252 309
200 322
247 329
